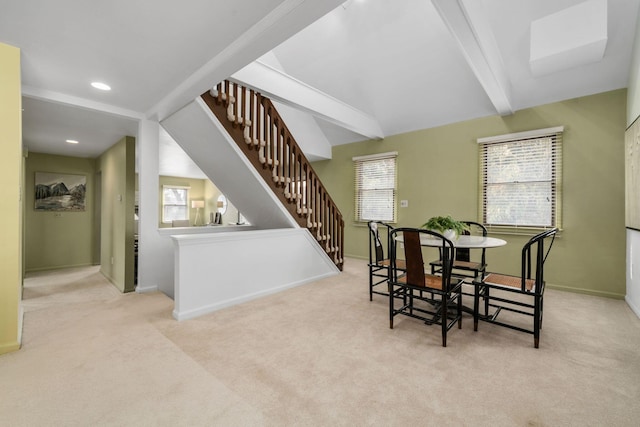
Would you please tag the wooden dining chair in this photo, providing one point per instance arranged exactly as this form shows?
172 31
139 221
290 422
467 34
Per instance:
379 263
523 294
465 265
408 287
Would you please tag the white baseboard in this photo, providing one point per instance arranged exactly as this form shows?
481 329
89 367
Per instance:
190 314
633 307
145 289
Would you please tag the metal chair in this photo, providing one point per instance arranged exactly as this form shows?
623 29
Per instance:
444 307
379 263
523 294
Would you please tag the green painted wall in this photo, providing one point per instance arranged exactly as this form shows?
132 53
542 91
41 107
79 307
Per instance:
59 239
116 168
438 175
10 207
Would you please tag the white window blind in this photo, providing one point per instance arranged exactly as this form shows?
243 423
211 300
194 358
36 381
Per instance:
174 203
375 187
521 179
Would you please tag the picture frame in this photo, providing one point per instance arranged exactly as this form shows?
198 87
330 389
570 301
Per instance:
60 192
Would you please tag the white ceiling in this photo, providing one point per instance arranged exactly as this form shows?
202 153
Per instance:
394 60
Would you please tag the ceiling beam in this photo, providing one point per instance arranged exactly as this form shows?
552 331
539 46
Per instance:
284 88
61 98
468 24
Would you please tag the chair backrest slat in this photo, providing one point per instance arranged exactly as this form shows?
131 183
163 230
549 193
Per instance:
413 255
413 258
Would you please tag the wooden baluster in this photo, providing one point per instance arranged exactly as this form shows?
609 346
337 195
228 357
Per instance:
252 115
276 148
299 177
285 168
278 164
268 130
298 166
314 208
307 189
276 156
278 176
259 115
243 112
294 177
236 104
310 209
323 221
263 131
281 155
274 136
330 229
287 177
215 93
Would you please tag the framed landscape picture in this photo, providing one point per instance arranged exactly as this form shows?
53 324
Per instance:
60 192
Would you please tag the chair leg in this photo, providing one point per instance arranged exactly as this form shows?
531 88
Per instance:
370 284
486 301
443 319
460 309
541 310
476 306
390 287
536 321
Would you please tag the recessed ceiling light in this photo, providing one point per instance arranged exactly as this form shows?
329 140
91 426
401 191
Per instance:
72 141
101 86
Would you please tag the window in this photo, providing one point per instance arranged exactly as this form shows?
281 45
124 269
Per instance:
375 187
520 176
174 203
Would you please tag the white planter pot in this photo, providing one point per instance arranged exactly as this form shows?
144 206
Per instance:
449 234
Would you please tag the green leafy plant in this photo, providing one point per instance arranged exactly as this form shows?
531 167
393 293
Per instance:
443 223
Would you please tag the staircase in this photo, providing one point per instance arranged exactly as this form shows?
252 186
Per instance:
254 124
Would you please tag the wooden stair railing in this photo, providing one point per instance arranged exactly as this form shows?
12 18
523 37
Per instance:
255 125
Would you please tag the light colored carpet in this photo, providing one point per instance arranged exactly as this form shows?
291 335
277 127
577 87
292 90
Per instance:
316 355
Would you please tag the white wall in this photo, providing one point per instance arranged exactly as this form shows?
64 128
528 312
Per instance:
214 271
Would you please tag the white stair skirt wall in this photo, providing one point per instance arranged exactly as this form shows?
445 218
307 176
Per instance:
215 271
205 140
164 270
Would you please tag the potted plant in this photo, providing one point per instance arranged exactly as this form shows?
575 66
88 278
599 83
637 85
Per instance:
445 225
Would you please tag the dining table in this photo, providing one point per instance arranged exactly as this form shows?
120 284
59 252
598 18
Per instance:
460 242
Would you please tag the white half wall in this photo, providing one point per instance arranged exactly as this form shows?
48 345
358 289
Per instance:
214 271
163 247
